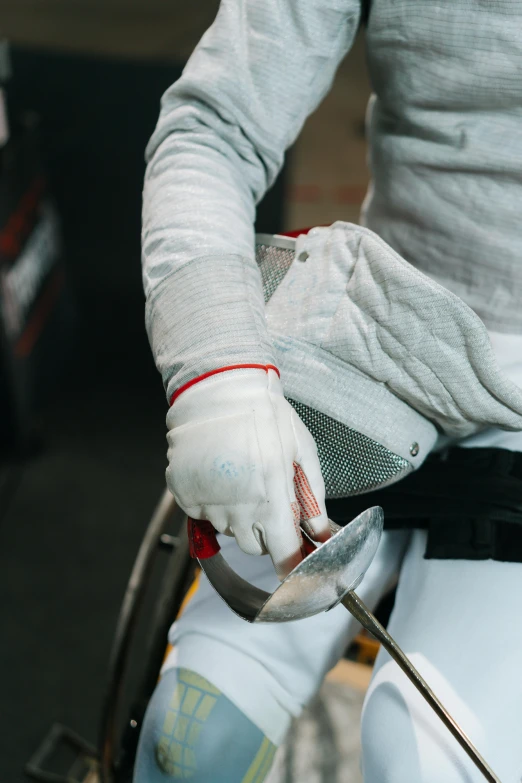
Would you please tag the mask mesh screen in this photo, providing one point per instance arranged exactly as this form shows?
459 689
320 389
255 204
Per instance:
274 263
351 463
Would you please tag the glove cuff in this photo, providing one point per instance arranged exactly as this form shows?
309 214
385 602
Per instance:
193 381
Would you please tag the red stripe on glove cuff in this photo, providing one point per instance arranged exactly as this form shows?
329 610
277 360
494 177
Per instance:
265 367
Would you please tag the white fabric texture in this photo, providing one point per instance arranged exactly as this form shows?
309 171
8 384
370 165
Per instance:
487 439
445 142
460 622
236 452
508 353
356 300
244 95
444 137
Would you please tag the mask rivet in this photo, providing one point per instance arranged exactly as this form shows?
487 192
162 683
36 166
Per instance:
414 449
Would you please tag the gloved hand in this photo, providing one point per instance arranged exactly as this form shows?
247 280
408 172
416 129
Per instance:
240 457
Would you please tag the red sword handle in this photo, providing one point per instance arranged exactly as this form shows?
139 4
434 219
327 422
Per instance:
202 539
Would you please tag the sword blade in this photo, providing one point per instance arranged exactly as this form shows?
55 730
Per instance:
360 611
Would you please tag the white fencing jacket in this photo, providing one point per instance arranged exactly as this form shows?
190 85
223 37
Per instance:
445 133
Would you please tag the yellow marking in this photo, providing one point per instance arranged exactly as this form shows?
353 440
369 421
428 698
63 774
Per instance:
167 653
163 745
189 758
197 681
206 707
180 729
191 592
193 734
267 764
190 701
168 724
177 696
164 756
162 752
252 773
368 648
176 752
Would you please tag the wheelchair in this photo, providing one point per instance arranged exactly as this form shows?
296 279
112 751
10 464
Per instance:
121 721
119 733
120 727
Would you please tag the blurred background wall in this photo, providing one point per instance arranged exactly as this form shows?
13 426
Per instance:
81 474
146 30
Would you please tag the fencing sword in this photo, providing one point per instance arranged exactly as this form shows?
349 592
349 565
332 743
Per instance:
325 578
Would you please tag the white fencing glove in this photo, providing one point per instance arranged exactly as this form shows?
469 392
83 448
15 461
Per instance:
241 458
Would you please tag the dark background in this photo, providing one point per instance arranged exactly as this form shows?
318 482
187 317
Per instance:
75 499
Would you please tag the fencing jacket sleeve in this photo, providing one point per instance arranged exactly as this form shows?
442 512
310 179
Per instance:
257 73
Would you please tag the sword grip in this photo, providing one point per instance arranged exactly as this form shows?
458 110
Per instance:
202 539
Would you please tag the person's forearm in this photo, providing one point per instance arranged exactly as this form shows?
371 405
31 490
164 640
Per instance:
224 127
204 296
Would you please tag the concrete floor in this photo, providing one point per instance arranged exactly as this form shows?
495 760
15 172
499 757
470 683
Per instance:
323 746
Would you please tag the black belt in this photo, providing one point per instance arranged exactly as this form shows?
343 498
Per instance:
469 501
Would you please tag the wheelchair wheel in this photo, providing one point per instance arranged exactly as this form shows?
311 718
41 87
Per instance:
118 735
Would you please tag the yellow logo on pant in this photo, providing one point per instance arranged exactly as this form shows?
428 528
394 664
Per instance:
192 702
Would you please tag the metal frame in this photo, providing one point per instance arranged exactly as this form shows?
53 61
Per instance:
276 240
86 758
117 748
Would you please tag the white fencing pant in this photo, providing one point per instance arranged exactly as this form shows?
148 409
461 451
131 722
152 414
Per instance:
460 622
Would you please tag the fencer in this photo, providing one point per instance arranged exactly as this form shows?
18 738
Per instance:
409 346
